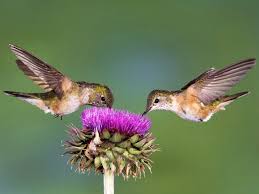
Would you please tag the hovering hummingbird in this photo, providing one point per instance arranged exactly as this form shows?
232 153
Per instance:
199 99
62 95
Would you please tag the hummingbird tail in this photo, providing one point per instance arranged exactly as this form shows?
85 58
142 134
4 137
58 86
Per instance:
234 96
226 100
30 98
20 95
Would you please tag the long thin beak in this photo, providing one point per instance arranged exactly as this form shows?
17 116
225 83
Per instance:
109 105
145 112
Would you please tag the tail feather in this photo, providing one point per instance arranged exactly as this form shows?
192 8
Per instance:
20 95
31 98
226 100
234 96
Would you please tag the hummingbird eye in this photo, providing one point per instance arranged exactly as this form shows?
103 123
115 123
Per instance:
156 100
103 98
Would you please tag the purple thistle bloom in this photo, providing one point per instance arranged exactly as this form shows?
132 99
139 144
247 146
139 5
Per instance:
122 146
115 121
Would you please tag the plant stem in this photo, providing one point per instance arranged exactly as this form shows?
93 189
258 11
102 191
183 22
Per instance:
108 182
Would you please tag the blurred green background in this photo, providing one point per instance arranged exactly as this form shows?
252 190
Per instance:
134 47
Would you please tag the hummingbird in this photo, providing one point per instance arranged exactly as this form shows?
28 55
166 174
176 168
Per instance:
61 95
202 97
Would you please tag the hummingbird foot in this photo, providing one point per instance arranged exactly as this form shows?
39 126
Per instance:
58 115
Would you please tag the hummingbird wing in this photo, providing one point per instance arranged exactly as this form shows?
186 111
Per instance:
44 75
200 77
213 84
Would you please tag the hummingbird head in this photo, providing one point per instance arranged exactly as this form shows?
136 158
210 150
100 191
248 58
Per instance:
159 100
97 95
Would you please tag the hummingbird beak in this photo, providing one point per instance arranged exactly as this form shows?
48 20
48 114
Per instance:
146 111
109 105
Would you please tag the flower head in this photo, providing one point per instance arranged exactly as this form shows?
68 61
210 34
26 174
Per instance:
115 121
112 140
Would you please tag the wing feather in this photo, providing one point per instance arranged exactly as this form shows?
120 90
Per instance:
214 84
42 74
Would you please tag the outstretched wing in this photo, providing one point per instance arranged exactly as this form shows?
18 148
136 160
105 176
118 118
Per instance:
199 78
213 84
44 75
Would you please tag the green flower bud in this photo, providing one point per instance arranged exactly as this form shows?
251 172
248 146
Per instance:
140 143
118 149
106 134
125 144
97 162
127 155
110 155
134 138
134 151
104 161
117 137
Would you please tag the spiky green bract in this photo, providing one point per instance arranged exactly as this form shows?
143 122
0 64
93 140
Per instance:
124 155
111 140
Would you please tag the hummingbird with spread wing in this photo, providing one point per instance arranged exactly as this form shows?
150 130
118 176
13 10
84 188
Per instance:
202 97
62 96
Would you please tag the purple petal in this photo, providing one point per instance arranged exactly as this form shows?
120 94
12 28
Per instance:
115 121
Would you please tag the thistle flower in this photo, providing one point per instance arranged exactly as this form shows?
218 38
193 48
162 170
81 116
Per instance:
112 141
